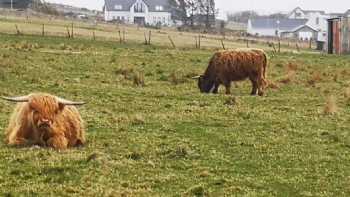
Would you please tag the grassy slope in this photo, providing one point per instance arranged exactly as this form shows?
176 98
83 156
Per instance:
165 139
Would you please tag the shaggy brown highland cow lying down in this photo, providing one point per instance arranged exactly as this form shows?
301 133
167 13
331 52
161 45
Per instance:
45 120
235 65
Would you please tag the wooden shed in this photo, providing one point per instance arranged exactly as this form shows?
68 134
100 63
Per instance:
339 35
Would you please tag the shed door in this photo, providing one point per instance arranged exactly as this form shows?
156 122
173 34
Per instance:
336 37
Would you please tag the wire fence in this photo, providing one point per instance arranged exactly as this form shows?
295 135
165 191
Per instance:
33 25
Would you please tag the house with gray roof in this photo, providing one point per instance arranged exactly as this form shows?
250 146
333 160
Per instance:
317 19
287 28
273 27
142 12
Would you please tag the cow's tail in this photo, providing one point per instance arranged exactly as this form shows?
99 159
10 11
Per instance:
264 65
264 68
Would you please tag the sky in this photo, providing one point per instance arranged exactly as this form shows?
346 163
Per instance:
262 6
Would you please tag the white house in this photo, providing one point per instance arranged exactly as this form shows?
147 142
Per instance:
317 20
151 12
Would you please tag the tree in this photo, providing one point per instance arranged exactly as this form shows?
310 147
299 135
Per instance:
207 8
41 6
179 10
192 10
277 16
242 17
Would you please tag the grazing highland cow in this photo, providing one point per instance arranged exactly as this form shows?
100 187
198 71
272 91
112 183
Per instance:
45 120
235 65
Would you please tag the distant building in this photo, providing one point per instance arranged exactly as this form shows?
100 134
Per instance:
347 13
303 32
151 12
274 27
236 26
339 35
16 4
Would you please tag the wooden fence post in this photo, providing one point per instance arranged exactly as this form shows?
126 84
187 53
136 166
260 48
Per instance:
43 30
124 40
223 45
310 43
120 37
172 42
68 32
149 37
195 38
93 35
247 43
17 30
279 45
146 42
274 48
199 41
297 46
72 34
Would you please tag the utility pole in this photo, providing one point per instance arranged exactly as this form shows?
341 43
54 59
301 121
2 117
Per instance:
11 5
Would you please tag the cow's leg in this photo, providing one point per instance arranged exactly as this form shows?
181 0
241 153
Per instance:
216 87
228 87
16 136
58 142
261 84
254 86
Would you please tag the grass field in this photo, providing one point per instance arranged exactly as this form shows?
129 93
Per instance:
164 138
33 25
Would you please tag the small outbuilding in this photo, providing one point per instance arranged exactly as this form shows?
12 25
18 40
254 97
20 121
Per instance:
303 32
339 35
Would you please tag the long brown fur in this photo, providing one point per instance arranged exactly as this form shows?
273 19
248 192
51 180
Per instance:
236 65
66 126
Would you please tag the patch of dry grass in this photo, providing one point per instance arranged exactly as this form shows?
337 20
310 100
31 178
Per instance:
288 78
331 107
139 79
315 77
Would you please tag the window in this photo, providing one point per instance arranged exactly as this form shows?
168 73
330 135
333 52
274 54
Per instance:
139 7
159 8
118 7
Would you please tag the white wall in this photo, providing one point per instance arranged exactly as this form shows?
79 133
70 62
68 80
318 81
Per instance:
112 15
322 21
260 32
305 35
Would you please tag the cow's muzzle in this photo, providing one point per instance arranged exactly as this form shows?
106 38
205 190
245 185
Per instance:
44 124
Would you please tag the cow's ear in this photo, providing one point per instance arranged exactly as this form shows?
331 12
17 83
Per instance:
61 106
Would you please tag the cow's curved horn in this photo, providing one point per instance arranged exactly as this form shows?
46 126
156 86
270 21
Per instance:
68 102
16 99
196 77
